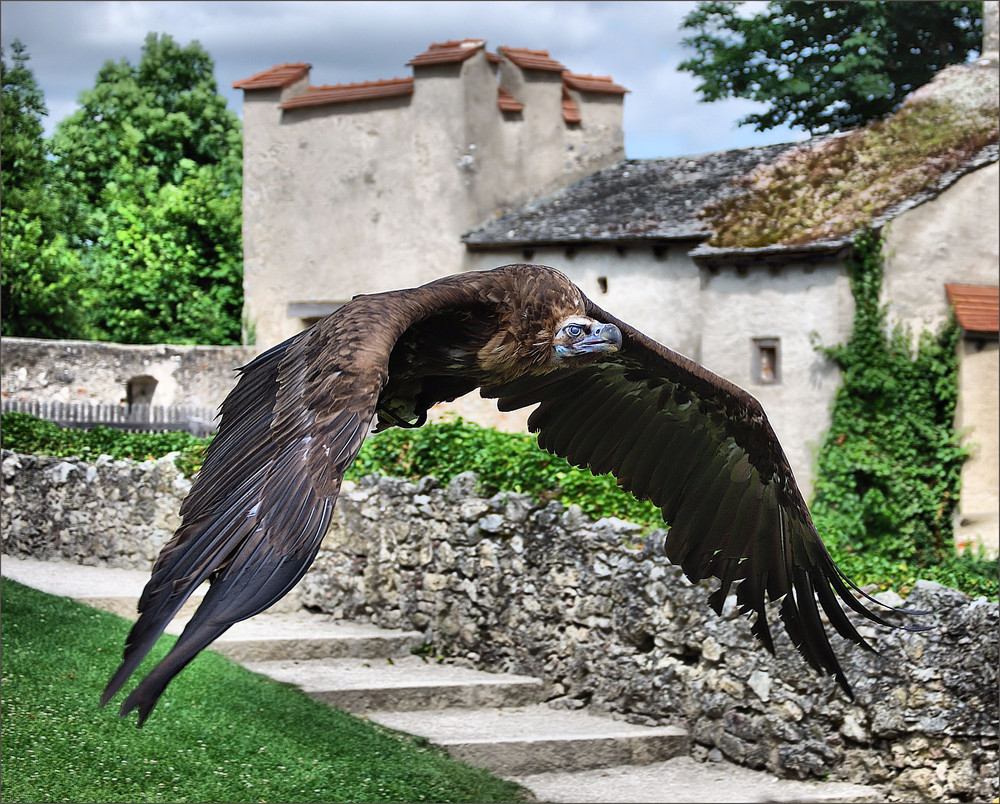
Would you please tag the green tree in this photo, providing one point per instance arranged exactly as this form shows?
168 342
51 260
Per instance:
158 160
42 276
23 166
826 66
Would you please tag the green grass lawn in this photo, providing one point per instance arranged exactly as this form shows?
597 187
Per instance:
220 734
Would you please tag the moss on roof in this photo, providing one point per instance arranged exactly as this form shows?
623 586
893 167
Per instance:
830 188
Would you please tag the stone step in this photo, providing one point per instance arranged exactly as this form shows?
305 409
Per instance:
403 684
302 635
561 756
113 589
108 588
283 631
684 780
536 738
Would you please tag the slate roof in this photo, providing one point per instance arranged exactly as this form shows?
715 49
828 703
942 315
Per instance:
647 200
804 199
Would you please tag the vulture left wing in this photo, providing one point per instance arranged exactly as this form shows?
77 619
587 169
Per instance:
262 502
702 450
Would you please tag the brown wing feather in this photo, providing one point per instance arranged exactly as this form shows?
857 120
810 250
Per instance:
703 451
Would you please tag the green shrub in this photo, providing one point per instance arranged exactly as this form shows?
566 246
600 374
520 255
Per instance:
504 462
25 433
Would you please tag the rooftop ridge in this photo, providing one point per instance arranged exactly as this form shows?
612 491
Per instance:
506 102
592 83
570 111
977 307
344 93
528 59
452 51
281 75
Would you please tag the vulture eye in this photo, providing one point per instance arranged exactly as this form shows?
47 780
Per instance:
573 330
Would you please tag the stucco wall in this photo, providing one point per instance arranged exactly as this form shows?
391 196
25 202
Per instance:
952 238
713 317
976 418
790 305
955 238
365 196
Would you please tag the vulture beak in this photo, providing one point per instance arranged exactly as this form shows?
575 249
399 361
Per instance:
602 338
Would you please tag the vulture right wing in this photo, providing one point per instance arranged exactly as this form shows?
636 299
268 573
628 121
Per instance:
703 451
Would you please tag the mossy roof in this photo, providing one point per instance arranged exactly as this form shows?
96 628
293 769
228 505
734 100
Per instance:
826 190
776 200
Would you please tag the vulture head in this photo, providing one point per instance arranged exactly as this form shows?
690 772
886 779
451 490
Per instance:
670 431
579 340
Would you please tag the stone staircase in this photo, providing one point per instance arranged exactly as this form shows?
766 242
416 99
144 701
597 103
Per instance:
495 721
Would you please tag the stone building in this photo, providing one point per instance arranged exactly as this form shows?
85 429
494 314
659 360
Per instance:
735 259
482 159
360 188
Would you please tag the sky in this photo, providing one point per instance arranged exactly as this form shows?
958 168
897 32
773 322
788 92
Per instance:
637 43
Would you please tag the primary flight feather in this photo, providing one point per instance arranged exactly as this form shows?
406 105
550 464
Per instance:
608 398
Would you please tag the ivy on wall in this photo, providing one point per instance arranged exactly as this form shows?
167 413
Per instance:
888 474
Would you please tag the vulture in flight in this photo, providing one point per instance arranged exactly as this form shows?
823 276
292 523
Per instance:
608 398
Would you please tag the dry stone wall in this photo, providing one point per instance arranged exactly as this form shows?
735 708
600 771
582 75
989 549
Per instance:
593 609
105 513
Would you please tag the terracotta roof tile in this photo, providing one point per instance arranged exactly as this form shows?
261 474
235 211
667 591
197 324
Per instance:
532 59
570 111
977 307
344 93
280 76
593 83
447 52
506 101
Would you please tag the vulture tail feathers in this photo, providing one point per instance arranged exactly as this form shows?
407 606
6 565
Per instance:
265 578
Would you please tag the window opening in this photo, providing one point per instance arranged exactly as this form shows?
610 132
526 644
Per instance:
766 359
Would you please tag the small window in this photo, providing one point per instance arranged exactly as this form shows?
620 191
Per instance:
602 283
766 361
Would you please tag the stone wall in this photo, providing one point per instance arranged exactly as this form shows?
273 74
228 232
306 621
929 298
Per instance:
593 609
113 513
96 371
596 612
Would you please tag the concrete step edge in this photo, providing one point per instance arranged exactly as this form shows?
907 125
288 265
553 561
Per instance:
685 780
404 685
537 738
